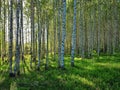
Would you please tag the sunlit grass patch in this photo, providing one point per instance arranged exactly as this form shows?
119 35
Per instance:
83 80
2 79
77 58
109 65
88 74
13 86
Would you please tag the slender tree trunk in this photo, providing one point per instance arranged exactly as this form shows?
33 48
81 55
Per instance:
4 32
81 40
63 33
92 30
47 50
39 34
85 32
32 34
8 28
22 35
108 29
58 33
98 31
0 9
17 54
1 40
43 41
54 23
73 35
11 38
115 26
0 33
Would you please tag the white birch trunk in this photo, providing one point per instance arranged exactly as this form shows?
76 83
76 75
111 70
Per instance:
63 33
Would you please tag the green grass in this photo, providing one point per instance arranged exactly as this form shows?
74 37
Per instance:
88 74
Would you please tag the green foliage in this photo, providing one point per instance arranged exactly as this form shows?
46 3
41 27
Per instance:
88 74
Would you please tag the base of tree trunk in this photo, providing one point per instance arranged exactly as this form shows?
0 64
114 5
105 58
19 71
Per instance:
72 65
11 75
6 61
59 67
23 58
63 68
38 68
46 67
18 73
31 67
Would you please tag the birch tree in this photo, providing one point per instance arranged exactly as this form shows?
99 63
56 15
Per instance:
82 38
63 33
0 33
10 39
39 33
115 25
21 31
17 53
47 50
58 32
98 31
54 23
4 34
73 35
32 34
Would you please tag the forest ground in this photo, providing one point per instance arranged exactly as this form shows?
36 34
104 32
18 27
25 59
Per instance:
88 74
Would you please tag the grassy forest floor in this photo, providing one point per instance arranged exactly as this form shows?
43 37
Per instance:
88 74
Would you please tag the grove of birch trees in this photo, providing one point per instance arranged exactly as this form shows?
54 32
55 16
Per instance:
45 30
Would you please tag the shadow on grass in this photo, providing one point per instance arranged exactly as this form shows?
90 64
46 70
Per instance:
103 74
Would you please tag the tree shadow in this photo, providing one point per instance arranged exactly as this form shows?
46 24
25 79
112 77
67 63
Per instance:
86 75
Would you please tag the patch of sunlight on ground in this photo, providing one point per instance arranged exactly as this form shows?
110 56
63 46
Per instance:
109 65
59 77
53 65
89 68
13 86
2 79
27 56
76 58
83 80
